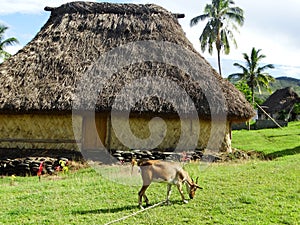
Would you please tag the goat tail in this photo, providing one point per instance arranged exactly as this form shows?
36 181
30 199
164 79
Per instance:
133 162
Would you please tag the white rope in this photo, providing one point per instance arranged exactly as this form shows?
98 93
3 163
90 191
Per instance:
135 213
268 115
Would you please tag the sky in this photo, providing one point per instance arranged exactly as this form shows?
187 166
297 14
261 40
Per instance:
272 26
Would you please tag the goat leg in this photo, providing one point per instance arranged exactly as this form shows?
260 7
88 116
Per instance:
179 186
168 193
142 194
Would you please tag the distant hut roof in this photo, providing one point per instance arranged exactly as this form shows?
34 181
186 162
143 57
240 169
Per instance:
42 76
282 99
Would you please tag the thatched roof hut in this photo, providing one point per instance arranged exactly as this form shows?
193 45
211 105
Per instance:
39 82
281 100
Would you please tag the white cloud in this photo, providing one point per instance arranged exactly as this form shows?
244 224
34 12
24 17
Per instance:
13 49
289 71
28 6
276 48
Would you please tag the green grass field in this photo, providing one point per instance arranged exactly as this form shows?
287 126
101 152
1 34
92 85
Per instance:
272 142
239 192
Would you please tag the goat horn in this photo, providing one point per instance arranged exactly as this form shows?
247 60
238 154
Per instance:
199 186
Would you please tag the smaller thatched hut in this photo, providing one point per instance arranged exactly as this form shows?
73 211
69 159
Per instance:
280 104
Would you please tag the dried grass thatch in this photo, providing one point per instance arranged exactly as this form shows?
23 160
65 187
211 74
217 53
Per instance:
282 99
43 75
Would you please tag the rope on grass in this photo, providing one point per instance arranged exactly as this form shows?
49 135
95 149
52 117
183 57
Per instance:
135 213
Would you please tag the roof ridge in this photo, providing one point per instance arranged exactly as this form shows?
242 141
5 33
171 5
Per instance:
105 7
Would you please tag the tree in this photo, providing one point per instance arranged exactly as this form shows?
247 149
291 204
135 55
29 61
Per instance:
243 87
5 42
295 112
221 15
252 73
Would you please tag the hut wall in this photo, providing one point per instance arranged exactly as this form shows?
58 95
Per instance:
39 131
216 134
140 128
48 131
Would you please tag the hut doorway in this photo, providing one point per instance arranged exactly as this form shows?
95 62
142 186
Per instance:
94 131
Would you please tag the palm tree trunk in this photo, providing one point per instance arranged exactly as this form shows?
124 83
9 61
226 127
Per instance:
253 103
218 47
252 90
219 62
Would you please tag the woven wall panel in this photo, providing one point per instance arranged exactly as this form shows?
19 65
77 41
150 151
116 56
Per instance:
140 128
39 131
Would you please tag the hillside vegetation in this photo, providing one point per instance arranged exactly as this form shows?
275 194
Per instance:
281 82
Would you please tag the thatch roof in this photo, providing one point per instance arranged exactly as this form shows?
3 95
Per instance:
282 99
43 75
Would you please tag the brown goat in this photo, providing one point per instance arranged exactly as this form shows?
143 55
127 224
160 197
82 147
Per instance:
168 172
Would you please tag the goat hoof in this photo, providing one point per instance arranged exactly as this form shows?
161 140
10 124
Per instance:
185 201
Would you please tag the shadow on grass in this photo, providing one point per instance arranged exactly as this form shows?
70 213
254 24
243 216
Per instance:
119 209
280 135
106 210
282 153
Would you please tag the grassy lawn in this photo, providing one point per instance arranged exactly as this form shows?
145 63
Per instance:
245 192
256 192
274 142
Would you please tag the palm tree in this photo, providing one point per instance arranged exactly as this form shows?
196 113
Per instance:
221 16
253 74
5 42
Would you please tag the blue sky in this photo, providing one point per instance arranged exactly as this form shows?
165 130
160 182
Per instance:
272 26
